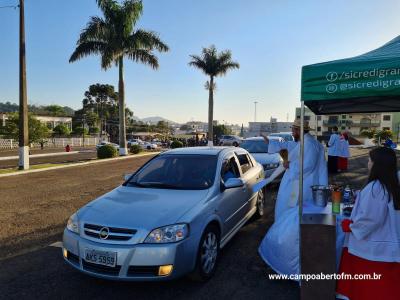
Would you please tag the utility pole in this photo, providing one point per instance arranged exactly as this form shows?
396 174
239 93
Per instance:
23 102
255 111
83 129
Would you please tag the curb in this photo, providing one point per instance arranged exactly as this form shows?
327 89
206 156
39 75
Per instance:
77 164
41 155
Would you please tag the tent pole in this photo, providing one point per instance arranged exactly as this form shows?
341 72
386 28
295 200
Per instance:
301 160
301 176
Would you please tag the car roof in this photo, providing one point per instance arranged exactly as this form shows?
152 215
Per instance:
254 138
204 150
280 133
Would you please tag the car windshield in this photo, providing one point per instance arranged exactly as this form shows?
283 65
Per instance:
254 146
181 172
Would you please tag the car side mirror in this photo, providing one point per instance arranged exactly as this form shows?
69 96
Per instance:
127 176
233 183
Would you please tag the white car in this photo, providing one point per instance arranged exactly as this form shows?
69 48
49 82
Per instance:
134 142
149 146
103 143
230 140
287 136
258 148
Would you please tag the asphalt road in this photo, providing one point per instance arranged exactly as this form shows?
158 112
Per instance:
35 208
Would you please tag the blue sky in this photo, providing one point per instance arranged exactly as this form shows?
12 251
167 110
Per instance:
270 39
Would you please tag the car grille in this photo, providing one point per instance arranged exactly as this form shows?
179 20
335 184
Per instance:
112 271
143 271
115 234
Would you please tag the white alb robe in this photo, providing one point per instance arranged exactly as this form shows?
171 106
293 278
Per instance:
280 246
375 231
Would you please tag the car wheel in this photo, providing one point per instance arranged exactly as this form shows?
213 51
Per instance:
148 148
207 254
260 204
235 144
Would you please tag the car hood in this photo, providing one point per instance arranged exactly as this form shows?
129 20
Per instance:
140 208
267 158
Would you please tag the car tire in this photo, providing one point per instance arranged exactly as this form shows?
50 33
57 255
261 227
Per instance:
260 204
148 147
207 254
235 144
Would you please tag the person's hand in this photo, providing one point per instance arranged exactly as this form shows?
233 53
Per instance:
346 225
286 164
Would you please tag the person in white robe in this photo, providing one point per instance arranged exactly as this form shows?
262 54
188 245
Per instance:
333 151
280 246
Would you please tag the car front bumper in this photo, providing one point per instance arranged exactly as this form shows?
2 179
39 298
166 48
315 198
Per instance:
138 262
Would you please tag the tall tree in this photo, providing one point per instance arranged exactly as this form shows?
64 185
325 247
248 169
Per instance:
114 38
213 64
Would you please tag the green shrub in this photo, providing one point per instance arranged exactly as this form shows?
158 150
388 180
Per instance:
135 149
368 133
176 144
107 151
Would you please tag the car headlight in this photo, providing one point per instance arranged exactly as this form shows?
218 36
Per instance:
73 223
168 234
270 166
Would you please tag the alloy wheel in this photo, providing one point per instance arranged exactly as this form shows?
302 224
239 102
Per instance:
209 252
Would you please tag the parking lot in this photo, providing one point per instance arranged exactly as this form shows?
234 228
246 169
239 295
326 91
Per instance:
35 208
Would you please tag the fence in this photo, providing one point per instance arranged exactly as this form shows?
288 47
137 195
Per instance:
53 143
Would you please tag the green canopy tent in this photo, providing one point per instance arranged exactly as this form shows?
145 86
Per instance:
366 83
362 84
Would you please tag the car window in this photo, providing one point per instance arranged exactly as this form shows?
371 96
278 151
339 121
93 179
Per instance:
229 169
177 171
245 163
254 146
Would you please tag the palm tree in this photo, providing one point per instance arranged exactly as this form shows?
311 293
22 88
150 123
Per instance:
115 37
213 64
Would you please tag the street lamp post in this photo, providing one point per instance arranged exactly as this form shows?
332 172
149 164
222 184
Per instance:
255 111
23 102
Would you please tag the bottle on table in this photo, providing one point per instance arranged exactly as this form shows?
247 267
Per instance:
336 199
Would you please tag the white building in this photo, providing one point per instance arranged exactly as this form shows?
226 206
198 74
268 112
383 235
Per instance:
50 121
352 123
273 126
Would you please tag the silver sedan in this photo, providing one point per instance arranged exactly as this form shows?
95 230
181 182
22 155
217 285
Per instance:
169 218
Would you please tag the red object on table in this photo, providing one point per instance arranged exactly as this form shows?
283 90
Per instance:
387 287
346 225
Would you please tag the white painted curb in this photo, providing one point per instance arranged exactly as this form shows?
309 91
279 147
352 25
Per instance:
77 164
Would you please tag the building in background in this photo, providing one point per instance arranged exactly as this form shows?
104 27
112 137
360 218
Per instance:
50 121
273 126
352 123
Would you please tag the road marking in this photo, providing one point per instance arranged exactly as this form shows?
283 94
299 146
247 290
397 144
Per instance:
58 244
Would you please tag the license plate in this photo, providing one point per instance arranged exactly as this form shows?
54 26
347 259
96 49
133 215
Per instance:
104 258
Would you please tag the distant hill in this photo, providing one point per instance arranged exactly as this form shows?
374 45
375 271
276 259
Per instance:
155 120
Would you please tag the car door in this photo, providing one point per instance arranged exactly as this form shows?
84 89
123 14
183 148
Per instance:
231 202
250 177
